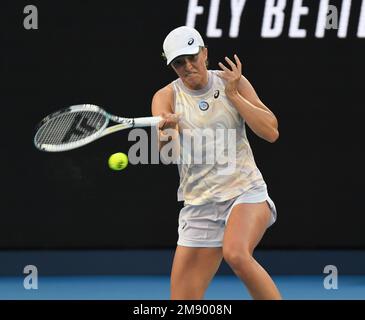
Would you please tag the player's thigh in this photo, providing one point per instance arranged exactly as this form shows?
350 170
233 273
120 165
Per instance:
246 226
194 266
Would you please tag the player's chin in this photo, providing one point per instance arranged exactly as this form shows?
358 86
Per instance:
192 75
193 79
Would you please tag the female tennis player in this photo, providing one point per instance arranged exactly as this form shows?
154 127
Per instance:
224 215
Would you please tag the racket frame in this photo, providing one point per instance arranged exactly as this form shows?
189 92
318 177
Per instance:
123 123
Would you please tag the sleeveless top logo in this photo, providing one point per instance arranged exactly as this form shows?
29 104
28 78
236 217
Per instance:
203 105
216 94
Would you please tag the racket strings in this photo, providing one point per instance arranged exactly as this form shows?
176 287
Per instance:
70 127
60 127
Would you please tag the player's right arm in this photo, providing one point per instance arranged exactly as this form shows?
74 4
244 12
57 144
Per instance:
162 105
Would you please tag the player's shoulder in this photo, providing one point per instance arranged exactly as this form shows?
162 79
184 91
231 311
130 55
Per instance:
215 74
163 100
167 92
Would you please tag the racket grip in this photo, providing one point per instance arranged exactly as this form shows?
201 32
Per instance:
147 121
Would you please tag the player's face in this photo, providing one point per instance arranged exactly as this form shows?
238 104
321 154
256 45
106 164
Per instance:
192 69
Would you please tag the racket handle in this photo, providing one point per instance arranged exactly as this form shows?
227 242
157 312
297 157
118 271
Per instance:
147 121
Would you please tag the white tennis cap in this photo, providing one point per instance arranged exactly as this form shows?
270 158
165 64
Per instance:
182 41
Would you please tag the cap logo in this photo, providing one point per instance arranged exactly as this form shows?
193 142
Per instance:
203 105
191 41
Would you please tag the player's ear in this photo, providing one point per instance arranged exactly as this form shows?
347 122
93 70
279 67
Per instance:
205 52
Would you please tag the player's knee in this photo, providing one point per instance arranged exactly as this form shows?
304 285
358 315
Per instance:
238 258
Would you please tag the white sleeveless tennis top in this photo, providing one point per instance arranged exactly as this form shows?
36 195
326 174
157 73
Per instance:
211 127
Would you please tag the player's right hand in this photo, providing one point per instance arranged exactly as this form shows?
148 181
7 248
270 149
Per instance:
169 121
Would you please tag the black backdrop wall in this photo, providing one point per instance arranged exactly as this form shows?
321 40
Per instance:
108 53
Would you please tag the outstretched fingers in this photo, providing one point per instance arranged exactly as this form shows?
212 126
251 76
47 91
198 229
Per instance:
235 69
230 62
223 67
238 63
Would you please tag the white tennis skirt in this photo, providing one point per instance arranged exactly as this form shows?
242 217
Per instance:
204 225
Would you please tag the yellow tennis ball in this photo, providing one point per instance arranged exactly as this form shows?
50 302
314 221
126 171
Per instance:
118 161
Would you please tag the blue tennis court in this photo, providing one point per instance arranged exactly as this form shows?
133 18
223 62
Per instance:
157 288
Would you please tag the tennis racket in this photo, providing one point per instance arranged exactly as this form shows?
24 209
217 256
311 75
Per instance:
78 125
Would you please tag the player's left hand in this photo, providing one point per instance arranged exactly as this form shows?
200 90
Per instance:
232 76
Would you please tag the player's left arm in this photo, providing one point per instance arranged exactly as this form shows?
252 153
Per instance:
241 93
